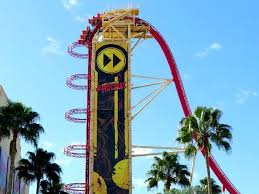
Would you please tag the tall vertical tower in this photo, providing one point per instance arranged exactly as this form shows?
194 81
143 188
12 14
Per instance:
110 158
110 166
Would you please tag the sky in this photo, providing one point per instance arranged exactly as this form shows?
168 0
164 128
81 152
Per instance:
215 44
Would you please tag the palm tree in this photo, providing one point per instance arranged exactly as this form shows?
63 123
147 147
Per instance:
168 170
50 187
189 190
216 189
38 166
204 126
17 120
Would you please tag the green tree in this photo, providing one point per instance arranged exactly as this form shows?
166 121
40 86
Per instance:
168 170
38 166
18 121
200 130
190 190
51 187
216 189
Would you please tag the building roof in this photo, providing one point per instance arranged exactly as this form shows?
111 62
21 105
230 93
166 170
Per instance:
3 97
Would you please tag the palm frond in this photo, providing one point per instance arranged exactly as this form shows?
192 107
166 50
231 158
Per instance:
39 165
152 182
168 170
204 127
190 151
18 119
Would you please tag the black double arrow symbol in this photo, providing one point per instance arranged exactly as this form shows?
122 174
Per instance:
106 60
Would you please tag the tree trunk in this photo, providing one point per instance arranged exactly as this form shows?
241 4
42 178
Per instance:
167 186
12 167
208 171
38 186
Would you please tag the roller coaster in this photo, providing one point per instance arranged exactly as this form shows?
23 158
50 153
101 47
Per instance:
119 27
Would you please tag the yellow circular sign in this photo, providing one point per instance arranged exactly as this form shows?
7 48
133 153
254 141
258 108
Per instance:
99 186
111 60
121 175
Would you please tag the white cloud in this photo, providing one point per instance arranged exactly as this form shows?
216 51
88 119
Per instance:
83 18
52 47
70 4
80 19
139 183
48 144
243 95
215 46
211 48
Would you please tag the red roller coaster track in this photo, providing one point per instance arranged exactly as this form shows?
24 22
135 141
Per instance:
86 39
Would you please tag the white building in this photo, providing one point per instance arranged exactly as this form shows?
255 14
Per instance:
18 187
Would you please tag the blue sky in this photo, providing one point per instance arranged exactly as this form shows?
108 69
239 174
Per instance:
215 44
